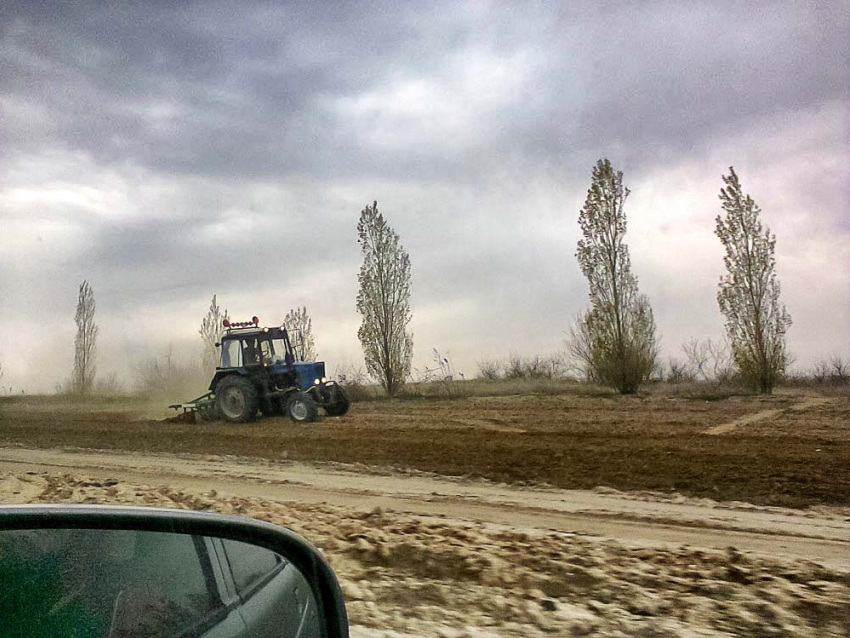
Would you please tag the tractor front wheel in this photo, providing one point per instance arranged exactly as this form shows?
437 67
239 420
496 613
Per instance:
340 404
236 399
302 408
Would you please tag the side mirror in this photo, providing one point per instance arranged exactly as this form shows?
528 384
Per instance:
122 572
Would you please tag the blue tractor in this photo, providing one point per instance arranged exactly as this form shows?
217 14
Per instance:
259 372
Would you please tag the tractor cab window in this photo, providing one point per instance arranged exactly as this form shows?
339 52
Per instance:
231 354
266 350
250 351
278 351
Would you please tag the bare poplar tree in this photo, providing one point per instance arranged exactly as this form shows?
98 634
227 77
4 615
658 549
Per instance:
615 339
300 327
211 329
85 342
384 301
748 294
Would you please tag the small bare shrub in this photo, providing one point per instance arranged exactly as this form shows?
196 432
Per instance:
710 360
514 368
820 371
834 371
555 366
545 367
441 370
552 366
489 369
839 370
679 372
441 375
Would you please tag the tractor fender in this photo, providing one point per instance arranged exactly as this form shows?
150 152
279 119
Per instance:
220 374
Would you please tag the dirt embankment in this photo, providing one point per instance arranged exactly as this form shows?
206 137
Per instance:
407 576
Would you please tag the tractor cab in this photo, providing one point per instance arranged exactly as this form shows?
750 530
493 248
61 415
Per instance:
251 348
245 348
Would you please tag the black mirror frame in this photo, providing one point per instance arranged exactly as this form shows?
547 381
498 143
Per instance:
304 556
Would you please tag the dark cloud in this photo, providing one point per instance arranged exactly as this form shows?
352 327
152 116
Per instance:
174 150
251 90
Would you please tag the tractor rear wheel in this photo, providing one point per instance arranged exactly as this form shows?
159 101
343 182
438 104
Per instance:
236 399
340 403
302 408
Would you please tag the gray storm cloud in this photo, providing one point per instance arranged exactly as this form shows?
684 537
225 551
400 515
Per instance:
169 152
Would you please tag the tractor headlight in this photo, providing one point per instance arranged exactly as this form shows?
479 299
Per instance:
324 380
316 382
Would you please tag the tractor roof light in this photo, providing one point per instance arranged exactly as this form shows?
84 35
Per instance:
227 323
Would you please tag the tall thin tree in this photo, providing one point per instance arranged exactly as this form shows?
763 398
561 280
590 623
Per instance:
615 339
85 343
384 301
748 294
300 327
211 329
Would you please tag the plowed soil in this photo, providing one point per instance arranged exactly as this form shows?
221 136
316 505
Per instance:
799 455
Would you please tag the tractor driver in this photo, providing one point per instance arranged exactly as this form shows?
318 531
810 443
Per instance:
250 353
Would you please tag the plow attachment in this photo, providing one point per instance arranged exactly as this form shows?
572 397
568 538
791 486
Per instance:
198 410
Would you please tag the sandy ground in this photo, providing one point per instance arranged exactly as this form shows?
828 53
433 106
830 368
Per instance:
410 575
646 519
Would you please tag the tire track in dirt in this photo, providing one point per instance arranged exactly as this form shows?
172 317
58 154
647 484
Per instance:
726 428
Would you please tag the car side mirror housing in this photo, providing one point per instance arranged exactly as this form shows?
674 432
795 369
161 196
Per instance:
133 571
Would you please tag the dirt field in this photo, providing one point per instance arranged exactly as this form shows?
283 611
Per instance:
790 449
405 576
419 554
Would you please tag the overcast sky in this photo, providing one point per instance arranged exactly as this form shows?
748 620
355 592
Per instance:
170 151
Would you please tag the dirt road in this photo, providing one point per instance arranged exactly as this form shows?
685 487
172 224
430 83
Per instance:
637 519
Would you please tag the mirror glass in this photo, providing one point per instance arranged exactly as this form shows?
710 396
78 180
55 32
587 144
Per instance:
121 584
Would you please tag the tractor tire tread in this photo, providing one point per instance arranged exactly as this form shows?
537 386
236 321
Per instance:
252 399
309 402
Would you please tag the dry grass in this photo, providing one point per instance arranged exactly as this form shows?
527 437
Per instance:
467 388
